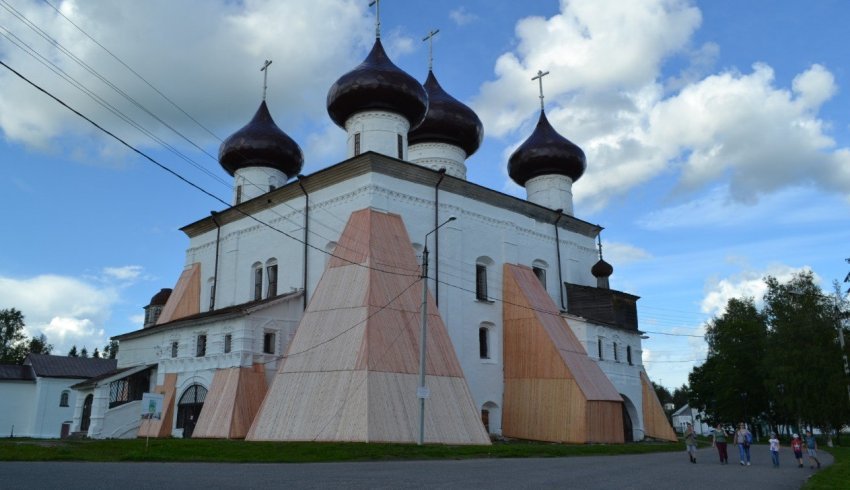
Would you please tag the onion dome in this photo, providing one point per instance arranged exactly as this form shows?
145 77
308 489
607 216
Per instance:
160 298
377 84
447 121
602 269
546 152
260 143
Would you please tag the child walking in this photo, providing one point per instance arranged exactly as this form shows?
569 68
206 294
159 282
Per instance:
797 447
774 449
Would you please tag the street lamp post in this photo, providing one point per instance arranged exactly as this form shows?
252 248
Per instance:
422 392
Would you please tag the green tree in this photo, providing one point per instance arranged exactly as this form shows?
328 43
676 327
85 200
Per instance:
729 385
84 352
11 336
73 352
110 351
39 345
804 357
95 354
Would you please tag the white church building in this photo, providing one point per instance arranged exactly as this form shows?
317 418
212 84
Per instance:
297 315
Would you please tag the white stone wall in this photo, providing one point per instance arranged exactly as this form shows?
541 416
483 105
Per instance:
439 155
553 191
255 181
49 416
379 131
17 408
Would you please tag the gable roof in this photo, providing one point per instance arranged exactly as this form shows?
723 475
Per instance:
15 372
47 366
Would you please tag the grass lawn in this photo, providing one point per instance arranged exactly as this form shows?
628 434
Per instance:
835 476
198 450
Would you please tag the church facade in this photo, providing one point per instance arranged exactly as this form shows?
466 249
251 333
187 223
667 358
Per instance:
298 314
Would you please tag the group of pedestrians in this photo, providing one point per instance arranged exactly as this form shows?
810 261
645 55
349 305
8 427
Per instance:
743 438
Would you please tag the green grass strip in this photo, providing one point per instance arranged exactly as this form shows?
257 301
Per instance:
837 475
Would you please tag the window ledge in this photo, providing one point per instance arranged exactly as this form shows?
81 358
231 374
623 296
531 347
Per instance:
485 301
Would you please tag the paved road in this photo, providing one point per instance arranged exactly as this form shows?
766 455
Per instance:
657 471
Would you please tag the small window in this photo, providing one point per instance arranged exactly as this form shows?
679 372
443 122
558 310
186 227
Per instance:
271 272
228 341
63 399
484 343
174 348
356 144
599 348
238 194
629 354
481 282
616 353
212 294
258 282
272 187
400 144
268 343
201 349
541 275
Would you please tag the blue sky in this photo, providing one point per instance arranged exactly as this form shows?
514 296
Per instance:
716 132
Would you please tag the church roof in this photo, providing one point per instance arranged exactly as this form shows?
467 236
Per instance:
546 152
160 298
447 120
377 84
260 143
602 269
16 372
47 366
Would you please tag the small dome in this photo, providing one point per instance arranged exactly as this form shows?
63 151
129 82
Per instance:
447 121
377 84
546 152
260 143
602 269
160 298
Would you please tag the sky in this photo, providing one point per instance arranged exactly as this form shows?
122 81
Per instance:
716 134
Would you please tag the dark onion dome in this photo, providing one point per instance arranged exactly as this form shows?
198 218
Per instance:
260 143
377 84
447 121
160 298
602 269
546 152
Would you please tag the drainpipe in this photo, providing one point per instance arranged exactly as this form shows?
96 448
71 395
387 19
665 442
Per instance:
560 213
442 173
215 269
306 231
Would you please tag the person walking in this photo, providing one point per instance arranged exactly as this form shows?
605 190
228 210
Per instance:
797 447
718 440
774 449
812 448
743 438
691 442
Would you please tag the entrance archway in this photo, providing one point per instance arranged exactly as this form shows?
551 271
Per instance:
630 418
86 418
189 408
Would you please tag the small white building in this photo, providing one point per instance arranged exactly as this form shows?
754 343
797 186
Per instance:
687 415
36 399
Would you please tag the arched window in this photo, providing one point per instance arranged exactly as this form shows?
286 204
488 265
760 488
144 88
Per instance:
63 399
539 267
484 343
356 144
257 277
482 266
271 275
629 355
189 408
599 348
616 353
211 284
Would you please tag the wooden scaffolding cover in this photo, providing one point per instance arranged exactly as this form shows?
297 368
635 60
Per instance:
162 427
351 371
231 403
553 390
185 300
655 423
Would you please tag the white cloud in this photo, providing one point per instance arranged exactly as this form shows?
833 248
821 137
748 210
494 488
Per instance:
214 75
461 16
701 128
126 273
623 253
67 310
747 284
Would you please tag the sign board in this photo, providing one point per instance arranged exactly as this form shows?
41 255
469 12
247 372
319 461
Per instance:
152 406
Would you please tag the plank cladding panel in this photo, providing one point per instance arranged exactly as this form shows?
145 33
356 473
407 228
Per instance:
162 427
351 369
550 382
231 403
655 423
185 299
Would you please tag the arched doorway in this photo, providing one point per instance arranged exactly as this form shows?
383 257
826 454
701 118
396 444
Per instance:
630 417
189 408
491 418
85 421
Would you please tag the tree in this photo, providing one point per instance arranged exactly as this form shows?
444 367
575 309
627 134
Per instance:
11 335
84 352
39 345
804 356
729 385
95 354
110 351
73 351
